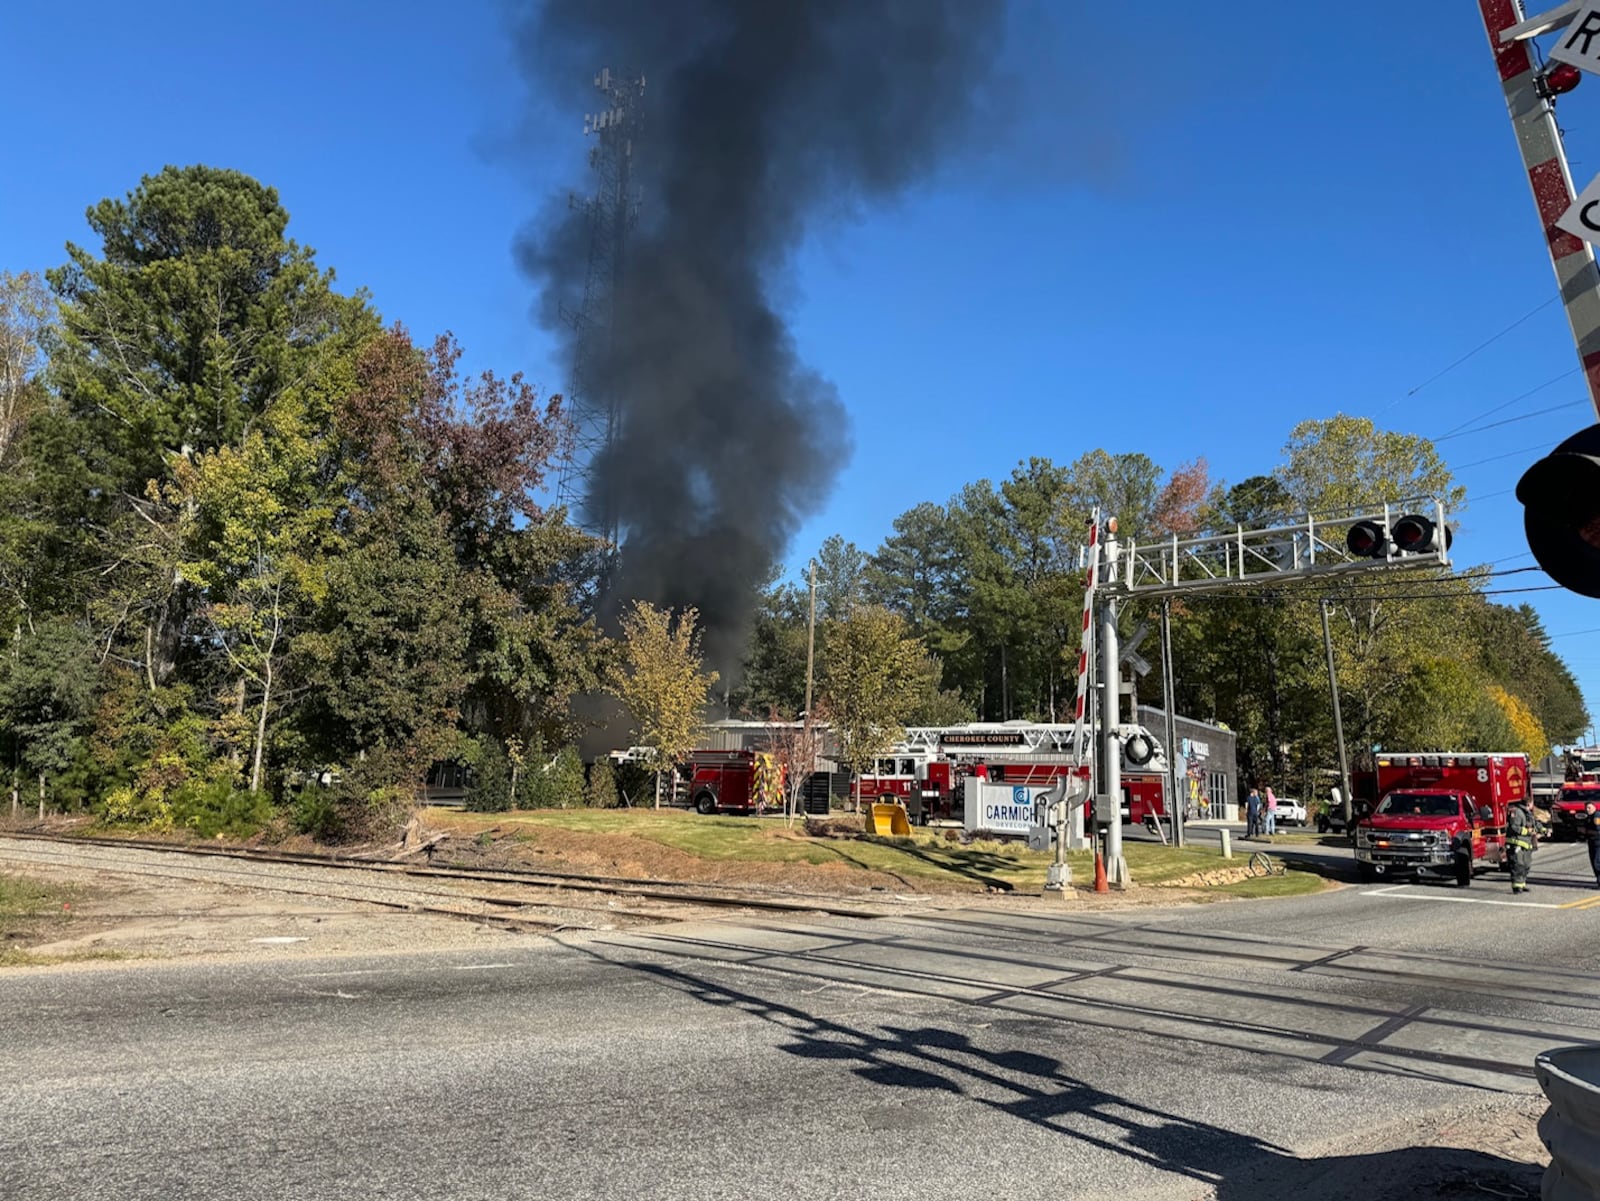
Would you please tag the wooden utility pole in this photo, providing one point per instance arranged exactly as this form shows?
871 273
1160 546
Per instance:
811 654
1338 720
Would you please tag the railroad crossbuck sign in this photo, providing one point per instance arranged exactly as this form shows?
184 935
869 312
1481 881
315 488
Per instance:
1579 42
1582 220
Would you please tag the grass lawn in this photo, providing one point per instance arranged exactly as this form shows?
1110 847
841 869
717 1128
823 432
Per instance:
926 858
28 908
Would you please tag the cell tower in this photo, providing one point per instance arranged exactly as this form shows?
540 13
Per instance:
610 214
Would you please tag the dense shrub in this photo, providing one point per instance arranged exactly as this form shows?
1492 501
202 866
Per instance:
602 791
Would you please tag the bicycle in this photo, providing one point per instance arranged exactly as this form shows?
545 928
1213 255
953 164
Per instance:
1262 864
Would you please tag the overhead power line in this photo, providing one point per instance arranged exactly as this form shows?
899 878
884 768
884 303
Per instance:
1510 454
1507 404
1484 345
1571 404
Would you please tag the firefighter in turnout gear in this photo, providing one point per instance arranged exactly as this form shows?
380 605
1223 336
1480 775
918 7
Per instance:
1591 833
1520 833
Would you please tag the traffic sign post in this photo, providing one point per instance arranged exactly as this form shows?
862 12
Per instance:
1530 102
1579 43
1561 514
1582 220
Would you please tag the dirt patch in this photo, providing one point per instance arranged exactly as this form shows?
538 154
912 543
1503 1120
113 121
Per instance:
134 917
553 848
1488 1150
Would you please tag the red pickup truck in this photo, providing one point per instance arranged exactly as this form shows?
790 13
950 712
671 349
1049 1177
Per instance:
1439 815
1566 814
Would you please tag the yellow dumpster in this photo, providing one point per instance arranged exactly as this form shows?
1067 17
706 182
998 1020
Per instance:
888 821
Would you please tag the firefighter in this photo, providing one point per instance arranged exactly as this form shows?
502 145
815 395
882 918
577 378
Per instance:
1591 831
1520 824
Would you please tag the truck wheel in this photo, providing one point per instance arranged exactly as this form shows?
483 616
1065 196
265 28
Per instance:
1463 872
1368 873
705 803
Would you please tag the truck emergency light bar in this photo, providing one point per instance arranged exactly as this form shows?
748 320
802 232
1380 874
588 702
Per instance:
1433 760
1405 534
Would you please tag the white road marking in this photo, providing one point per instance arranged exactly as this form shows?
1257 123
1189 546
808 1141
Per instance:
365 971
1412 896
477 967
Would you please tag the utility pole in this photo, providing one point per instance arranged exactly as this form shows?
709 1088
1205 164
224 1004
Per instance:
1338 719
1169 703
811 654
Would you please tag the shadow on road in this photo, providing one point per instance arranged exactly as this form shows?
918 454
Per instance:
929 1065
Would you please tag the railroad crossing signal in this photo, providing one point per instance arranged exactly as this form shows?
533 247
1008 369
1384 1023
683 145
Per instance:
1560 495
1413 534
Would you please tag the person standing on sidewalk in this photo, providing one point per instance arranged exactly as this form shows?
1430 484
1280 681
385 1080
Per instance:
1591 832
1252 814
1272 812
1520 824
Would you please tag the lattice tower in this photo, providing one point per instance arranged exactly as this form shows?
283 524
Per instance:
610 214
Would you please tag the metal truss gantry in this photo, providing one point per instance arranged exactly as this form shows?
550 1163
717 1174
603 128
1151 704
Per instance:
1312 548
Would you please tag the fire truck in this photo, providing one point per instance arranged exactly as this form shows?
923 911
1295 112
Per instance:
1583 763
927 768
731 781
1566 813
1437 815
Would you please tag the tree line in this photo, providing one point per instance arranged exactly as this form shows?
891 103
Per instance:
264 557
989 589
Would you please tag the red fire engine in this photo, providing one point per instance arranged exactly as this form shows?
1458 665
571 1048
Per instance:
1437 814
925 770
732 781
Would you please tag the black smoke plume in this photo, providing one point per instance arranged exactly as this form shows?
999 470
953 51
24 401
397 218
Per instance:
760 118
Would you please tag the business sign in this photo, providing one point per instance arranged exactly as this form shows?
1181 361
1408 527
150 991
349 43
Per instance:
1579 42
1582 220
1000 808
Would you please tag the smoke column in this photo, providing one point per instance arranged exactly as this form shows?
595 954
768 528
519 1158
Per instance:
762 117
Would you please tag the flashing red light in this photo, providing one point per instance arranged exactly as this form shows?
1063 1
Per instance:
1561 79
1366 540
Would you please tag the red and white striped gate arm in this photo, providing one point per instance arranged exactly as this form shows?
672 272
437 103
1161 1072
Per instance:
1539 139
1086 642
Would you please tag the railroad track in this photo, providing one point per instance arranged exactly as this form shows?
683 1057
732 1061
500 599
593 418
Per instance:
496 909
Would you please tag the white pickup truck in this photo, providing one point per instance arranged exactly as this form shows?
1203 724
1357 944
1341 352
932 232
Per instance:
1290 812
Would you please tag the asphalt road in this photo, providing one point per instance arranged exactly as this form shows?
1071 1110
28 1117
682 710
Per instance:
1227 1050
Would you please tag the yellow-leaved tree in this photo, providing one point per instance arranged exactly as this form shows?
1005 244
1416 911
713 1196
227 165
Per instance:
1530 734
661 680
869 677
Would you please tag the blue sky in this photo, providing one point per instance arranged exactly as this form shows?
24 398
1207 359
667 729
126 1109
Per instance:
1181 235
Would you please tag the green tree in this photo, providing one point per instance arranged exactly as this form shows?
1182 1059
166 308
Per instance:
916 571
199 314
660 679
27 312
1125 486
1381 636
931 703
601 791
870 679
46 699
774 676
841 577
196 319
1514 651
567 778
385 654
